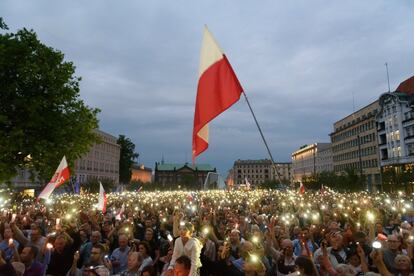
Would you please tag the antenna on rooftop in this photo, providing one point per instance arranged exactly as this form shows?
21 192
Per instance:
388 77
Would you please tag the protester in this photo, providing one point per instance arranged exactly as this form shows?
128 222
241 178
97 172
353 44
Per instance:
96 263
119 256
188 246
134 263
32 266
208 233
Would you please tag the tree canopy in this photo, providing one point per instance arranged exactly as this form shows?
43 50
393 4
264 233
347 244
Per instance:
126 159
42 117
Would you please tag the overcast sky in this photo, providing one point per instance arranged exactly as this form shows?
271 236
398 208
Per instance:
300 63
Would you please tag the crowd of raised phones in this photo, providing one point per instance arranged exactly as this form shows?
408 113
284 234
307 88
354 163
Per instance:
259 232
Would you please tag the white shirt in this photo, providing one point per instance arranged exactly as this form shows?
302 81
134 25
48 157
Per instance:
192 250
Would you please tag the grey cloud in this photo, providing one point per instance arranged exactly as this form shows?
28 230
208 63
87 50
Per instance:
300 62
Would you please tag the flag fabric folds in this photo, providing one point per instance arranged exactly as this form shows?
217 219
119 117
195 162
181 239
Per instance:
61 175
301 189
118 216
247 183
218 89
102 199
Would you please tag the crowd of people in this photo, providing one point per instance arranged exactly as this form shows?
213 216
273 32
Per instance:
215 232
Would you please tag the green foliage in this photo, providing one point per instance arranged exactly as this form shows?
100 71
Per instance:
158 187
188 182
42 117
92 185
270 184
127 157
135 185
349 181
398 178
3 25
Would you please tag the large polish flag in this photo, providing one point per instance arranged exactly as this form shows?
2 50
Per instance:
61 175
102 199
218 89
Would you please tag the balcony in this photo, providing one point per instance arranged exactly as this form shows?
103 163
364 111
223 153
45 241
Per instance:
409 137
381 127
397 160
408 120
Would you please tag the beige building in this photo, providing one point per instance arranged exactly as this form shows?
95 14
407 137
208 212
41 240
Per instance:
354 145
259 171
311 159
101 162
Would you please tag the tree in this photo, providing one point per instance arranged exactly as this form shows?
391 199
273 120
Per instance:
93 185
42 117
126 159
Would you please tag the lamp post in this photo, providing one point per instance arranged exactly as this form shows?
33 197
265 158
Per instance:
360 160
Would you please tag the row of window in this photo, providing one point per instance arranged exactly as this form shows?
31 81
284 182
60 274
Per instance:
409 115
388 110
410 149
371 163
354 142
252 176
354 154
248 171
260 167
354 131
409 131
82 178
104 155
96 166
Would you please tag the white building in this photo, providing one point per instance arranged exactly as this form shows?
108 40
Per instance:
260 171
311 159
396 129
101 162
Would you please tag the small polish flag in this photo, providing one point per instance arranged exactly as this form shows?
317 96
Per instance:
102 199
120 213
61 175
247 183
322 191
301 189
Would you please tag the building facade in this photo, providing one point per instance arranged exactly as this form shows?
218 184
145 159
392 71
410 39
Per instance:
260 171
172 176
324 161
311 159
355 146
141 173
101 162
23 181
395 123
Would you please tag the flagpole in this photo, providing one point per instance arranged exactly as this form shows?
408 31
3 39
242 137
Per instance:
264 140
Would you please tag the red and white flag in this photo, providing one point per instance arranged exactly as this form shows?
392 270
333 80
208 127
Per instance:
102 199
61 175
218 89
120 213
247 183
301 189
322 191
